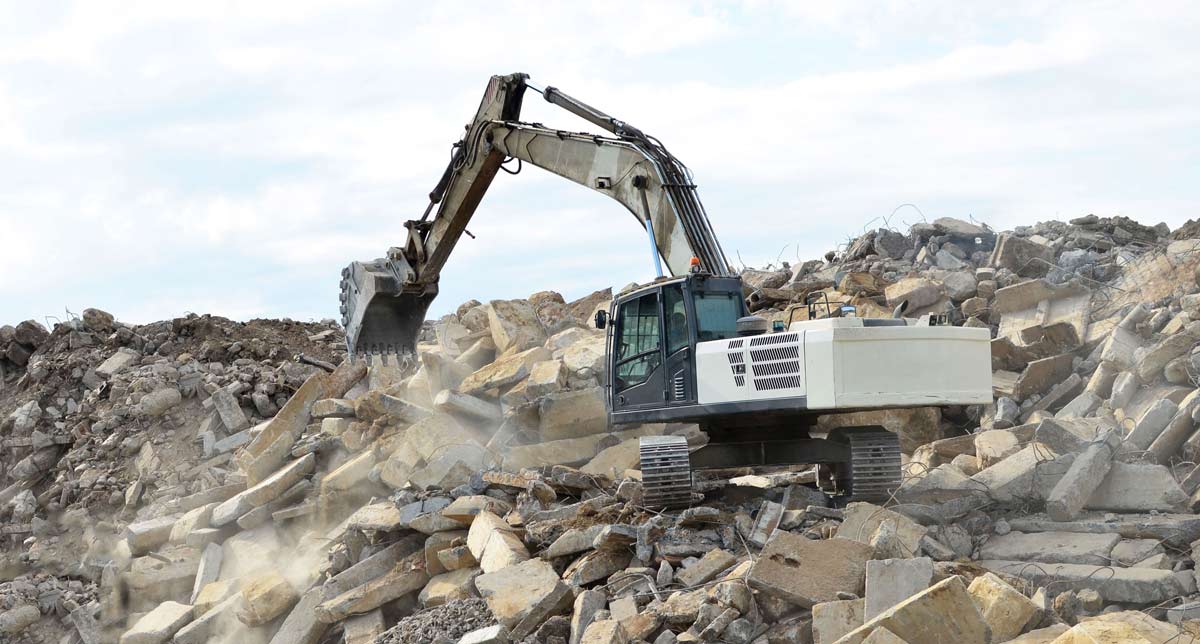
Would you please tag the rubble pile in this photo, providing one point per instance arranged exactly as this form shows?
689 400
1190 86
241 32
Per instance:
194 482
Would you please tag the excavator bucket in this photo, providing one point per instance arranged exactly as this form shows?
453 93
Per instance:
378 316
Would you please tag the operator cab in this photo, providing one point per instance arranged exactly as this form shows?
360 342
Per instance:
652 335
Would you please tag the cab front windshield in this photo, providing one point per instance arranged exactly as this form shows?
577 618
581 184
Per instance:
717 315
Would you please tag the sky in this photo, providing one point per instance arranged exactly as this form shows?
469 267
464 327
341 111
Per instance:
159 158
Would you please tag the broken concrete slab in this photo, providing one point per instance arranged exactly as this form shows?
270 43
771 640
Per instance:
1148 427
1085 475
890 581
1138 487
1177 529
448 587
861 520
833 620
1051 547
266 597
806 572
301 626
1132 585
1042 374
405 578
522 596
945 612
1006 611
157 626
707 568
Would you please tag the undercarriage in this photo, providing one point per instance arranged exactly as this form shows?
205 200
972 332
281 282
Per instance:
852 463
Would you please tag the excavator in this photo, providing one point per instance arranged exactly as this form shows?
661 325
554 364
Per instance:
681 348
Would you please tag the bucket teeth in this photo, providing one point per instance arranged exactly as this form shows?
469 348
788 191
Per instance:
666 471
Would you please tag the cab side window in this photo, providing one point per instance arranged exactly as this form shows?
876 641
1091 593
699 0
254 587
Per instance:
638 347
675 316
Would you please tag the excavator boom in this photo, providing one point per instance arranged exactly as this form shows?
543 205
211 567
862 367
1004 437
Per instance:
384 301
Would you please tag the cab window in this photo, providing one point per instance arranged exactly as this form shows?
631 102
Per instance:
638 347
717 315
675 316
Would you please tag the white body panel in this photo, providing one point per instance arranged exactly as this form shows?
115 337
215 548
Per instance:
840 364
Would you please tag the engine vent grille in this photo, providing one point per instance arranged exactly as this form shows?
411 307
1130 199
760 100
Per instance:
678 387
776 368
774 338
736 357
736 344
776 353
739 381
778 382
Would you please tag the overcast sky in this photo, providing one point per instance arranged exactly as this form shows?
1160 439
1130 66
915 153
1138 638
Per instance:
231 157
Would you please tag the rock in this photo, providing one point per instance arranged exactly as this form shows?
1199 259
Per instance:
145 536
469 407
30 333
806 572
1006 611
301 626
917 291
504 372
995 445
943 613
1069 495
1132 585
605 631
1137 487
832 620
1148 427
1042 374
959 285
522 596
159 402
890 581
333 408
708 567
587 604
546 377
1081 406
496 634
449 586
862 520
1051 547
264 598
117 362
157 626
407 577
230 411
15 620
209 569
514 325
1021 256
572 414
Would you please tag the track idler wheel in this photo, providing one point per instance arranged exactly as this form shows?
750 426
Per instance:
666 471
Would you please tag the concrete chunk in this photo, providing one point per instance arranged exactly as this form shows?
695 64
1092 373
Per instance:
230 411
210 569
522 596
1051 547
890 581
1132 585
157 626
1138 487
833 620
572 414
861 521
709 566
145 536
1068 497
264 598
301 625
944 612
407 577
1005 609
1148 427
806 572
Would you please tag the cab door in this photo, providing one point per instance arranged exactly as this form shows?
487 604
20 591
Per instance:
680 372
637 372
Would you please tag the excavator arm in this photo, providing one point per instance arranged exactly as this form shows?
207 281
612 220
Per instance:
384 301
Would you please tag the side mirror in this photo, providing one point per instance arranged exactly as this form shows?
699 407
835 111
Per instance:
601 319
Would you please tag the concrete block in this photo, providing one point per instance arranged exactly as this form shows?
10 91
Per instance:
363 629
495 634
333 408
192 520
1051 547
522 596
572 414
145 536
1137 487
1006 611
1150 425
707 568
448 587
995 445
806 572
301 625
944 612
861 520
210 569
1119 585
832 620
587 604
890 581
266 597
405 578
230 411
1085 475
159 625
504 372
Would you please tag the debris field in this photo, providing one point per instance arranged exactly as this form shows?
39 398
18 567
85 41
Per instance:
202 480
